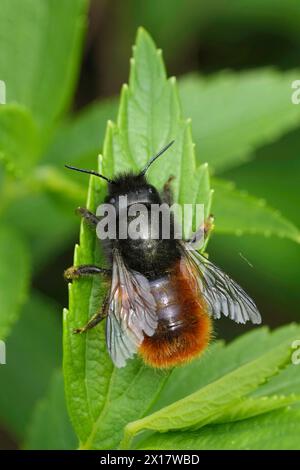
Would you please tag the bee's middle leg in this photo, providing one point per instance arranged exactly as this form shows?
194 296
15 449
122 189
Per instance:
95 319
75 272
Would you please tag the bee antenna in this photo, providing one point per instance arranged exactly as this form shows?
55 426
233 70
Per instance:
90 172
143 172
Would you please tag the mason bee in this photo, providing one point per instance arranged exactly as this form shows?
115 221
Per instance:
163 293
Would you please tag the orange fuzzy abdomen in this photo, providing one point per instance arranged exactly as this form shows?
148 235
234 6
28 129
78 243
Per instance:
184 327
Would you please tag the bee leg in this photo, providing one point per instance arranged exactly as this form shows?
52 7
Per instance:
204 230
208 226
167 191
75 272
88 216
95 319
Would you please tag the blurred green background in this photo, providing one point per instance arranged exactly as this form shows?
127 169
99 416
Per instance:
65 62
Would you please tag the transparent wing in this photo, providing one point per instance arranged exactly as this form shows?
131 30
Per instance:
131 312
222 294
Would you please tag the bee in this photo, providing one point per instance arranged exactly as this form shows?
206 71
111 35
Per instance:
163 293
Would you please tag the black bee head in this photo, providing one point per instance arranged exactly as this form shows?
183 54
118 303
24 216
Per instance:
135 187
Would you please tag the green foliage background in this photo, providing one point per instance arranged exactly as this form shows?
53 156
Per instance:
241 395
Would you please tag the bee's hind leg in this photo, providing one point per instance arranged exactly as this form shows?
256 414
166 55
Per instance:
75 272
95 319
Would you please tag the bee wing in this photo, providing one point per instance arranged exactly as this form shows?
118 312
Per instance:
131 312
222 294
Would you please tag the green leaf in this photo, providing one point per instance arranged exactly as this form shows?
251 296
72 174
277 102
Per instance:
50 428
239 213
250 407
278 430
210 402
19 139
102 399
287 382
14 278
79 140
234 113
218 361
275 166
272 176
50 179
222 359
48 236
40 49
33 351
149 118
50 188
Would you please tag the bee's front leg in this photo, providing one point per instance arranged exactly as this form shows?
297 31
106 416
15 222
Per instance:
208 226
88 216
203 231
167 195
95 319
